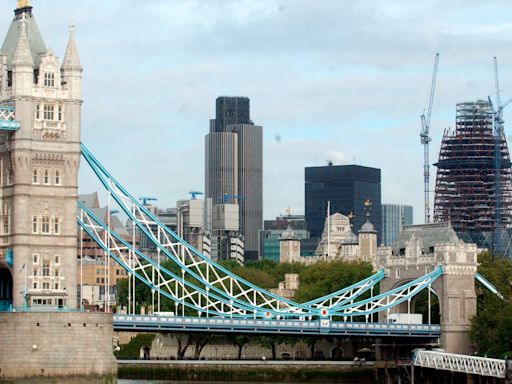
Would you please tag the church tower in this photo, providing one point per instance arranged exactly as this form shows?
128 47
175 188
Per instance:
39 165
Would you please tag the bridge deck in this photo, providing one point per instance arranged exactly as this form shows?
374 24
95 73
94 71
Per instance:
151 323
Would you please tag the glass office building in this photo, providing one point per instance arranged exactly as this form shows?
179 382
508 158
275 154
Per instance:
346 187
394 216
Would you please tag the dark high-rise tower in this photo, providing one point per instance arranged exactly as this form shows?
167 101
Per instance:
466 174
234 163
346 187
231 111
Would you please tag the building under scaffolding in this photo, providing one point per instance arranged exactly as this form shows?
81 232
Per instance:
466 182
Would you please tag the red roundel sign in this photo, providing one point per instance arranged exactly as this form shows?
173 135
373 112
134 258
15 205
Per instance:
268 315
324 312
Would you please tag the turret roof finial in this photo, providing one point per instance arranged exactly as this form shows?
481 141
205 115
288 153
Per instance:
72 26
367 207
23 4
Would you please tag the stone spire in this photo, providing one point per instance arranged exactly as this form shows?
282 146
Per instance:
71 59
22 54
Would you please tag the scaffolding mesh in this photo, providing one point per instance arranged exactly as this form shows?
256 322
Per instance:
465 190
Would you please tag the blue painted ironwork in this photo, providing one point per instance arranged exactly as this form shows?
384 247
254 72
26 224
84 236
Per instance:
5 305
8 120
487 284
213 290
193 263
9 257
152 323
389 299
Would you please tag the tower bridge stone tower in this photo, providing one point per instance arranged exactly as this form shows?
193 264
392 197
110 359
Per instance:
39 164
418 250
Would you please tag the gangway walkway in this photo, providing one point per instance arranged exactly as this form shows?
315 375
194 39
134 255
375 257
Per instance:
472 365
153 323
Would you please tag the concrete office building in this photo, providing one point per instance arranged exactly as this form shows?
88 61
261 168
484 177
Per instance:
233 166
190 224
394 217
346 187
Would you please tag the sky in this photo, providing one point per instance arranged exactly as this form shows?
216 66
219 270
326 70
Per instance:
335 80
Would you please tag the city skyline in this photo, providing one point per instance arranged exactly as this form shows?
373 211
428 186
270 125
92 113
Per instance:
325 92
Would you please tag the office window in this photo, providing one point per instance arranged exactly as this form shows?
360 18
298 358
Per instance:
35 258
46 177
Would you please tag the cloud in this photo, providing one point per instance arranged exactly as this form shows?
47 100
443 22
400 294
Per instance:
333 79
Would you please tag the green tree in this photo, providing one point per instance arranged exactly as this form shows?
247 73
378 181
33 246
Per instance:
491 328
322 278
239 341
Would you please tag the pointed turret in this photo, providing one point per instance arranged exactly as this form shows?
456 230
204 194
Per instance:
71 69
22 64
368 237
71 59
22 55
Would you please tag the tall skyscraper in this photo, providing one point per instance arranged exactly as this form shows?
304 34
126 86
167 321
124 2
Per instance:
346 187
39 164
234 163
394 217
466 175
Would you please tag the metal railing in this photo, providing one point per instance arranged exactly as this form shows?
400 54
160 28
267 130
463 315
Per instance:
148 323
474 365
8 118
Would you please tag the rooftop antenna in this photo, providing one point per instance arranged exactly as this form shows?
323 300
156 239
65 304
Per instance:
425 140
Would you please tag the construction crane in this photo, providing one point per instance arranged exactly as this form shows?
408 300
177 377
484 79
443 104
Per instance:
146 199
499 132
227 196
425 140
194 194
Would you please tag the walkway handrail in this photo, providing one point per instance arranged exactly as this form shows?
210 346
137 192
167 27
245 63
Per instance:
473 365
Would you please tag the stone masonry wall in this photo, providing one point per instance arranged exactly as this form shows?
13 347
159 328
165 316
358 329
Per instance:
56 344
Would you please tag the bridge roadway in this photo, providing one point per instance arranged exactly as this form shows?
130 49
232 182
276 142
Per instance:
152 323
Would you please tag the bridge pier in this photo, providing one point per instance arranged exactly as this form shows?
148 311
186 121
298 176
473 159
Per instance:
37 345
417 252
458 297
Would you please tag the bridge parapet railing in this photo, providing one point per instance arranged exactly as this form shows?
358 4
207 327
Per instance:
474 365
8 117
7 112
